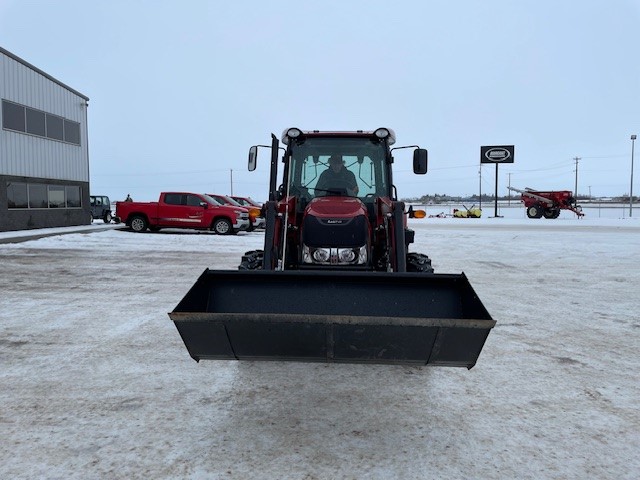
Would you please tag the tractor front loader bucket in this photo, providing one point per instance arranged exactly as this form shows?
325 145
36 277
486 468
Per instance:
351 317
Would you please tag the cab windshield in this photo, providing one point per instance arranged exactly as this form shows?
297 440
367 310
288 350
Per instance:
363 157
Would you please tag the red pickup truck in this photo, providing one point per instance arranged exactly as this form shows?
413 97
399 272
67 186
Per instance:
183 210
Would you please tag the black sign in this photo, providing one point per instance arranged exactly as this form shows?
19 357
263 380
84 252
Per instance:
497 154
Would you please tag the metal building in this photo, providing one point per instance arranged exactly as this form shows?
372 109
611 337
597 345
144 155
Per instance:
44 153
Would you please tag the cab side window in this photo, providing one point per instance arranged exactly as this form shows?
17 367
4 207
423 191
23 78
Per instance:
173 198
193 201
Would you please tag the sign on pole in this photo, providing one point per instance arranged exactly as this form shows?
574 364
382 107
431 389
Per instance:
497 154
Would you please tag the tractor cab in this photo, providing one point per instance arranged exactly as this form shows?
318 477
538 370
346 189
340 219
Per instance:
338 190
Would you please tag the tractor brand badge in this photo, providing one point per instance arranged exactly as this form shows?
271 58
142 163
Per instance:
496 154
335 222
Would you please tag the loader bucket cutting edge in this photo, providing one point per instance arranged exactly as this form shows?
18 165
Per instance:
350 317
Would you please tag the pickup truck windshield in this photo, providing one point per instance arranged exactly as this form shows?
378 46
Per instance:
212 200
355 166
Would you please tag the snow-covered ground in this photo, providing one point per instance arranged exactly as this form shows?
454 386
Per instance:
95 381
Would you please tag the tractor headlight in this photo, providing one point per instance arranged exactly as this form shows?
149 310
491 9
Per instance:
321 255
382 133
334 256
346 255
294 133
290 133
387 133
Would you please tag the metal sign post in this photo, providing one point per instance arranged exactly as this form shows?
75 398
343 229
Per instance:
497 154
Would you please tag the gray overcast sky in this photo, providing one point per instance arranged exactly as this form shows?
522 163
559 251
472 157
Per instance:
180 90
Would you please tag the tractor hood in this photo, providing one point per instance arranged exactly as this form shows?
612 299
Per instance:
335 222
335 207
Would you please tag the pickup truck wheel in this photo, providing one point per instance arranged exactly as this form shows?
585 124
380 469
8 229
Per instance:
222 226
138 224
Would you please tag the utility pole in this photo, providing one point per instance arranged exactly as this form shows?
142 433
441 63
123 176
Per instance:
575 190
480 188
509 203
633 141
232 181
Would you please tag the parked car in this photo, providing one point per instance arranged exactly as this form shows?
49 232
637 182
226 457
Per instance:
183 210
255 215
100 207
246 201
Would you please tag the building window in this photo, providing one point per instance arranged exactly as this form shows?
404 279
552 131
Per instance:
38 197
13 116
17 195
73 197
55 127
56 197
72 132
35 122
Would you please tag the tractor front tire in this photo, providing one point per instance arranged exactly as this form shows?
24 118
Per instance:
252 260
419 262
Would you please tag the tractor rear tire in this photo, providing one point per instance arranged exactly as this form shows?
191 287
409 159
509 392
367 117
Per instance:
419 262
252 260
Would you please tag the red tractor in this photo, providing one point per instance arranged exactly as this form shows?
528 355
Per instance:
548 204
335 281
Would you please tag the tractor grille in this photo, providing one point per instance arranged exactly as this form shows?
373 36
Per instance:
335 232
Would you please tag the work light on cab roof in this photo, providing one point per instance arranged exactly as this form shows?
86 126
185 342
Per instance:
380 134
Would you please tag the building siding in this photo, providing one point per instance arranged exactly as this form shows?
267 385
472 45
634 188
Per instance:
29 155
27 158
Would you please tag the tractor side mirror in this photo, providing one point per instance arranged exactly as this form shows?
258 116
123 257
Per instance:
420 161
253 158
